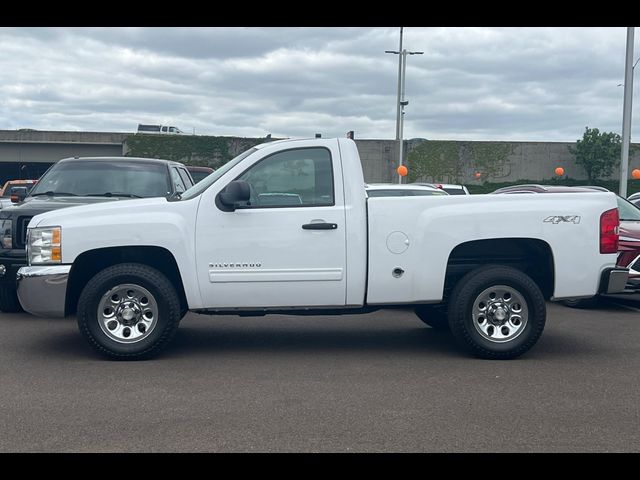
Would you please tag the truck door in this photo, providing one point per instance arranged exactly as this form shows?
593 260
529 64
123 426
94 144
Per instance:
286 247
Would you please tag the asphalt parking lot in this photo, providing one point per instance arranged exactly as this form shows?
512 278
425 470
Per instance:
376 382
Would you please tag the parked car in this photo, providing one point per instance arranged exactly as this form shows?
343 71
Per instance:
80 181
401 190
634 197
450 188
199 173
629 244
7 189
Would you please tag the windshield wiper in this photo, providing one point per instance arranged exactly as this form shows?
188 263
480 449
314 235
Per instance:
112 194
51 193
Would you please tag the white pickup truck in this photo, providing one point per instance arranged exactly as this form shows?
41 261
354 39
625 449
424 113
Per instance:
286 227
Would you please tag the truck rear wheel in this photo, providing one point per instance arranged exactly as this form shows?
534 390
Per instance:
129 311
497 312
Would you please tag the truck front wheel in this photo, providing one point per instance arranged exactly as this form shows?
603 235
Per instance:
497 312
129 311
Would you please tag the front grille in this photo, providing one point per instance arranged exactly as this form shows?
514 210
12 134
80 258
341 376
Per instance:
21 231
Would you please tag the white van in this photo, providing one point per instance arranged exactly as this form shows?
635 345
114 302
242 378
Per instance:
159 129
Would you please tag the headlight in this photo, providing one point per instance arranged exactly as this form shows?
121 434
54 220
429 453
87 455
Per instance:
5 234
44 245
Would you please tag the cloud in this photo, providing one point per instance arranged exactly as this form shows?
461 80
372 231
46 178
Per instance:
537 84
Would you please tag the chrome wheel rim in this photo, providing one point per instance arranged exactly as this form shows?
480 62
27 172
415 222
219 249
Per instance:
500 313
127 313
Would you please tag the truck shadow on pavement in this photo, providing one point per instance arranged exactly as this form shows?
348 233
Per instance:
420 340
291 336
198 341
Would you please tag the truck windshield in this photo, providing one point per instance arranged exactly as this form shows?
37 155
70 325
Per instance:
201 186
84 178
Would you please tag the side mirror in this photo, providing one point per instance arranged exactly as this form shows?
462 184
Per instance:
237 192
18 194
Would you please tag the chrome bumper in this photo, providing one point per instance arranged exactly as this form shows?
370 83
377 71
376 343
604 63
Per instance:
42 290
614 280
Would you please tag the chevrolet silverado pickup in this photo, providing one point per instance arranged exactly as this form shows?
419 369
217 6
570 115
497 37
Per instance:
286 227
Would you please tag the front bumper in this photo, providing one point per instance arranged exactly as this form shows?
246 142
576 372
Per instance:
613 280
42 290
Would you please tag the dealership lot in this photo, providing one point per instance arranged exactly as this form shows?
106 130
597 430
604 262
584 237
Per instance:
376 382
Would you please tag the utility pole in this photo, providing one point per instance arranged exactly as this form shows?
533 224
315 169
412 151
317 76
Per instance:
626 114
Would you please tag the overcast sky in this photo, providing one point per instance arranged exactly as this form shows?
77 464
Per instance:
529 84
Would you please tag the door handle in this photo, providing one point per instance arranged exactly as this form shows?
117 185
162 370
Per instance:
320 226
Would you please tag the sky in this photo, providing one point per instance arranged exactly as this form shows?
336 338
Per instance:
471 83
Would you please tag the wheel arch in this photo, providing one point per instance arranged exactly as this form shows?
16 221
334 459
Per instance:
89 263
530 255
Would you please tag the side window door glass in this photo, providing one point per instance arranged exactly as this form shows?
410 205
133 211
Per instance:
293 178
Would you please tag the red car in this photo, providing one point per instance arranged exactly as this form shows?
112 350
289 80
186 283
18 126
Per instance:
629 246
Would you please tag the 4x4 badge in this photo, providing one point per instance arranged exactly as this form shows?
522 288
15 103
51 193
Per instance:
555 219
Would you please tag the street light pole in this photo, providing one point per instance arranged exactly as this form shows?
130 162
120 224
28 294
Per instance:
401 102
626 114
399 89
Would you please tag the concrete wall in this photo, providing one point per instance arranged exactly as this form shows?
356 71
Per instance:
40 136
534 161
52 152
379 160
538 160
43 146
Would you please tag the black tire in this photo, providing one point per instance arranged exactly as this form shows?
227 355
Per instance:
9 302
582 302
434 316
167 314
467 299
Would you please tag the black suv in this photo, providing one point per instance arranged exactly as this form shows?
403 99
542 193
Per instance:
79 181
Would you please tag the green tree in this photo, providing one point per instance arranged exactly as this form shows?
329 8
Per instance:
597 153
